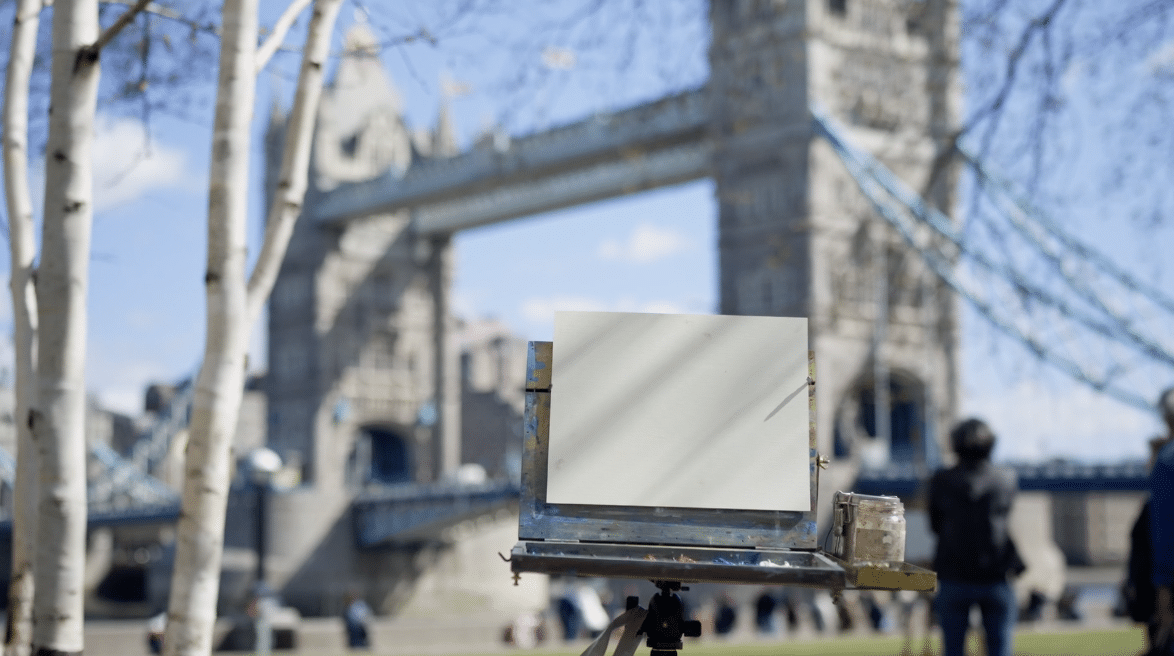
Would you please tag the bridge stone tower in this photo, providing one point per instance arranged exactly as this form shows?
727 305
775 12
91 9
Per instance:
350 317
797 238
360 345
365 381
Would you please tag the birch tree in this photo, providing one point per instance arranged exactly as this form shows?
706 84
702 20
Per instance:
55 397
22 248
233 304
58 414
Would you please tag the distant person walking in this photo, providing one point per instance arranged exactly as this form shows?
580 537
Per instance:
1161 626
357 619
969 510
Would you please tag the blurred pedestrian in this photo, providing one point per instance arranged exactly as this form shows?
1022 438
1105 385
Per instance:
969 510
525 632
357 617
787 602
1138 596
156 629
591 610
568 616
1161 625
764 612
725 615
910 604
877 618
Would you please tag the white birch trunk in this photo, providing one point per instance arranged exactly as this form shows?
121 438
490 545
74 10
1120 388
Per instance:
195 582
295 161
22 249
233 308
58 414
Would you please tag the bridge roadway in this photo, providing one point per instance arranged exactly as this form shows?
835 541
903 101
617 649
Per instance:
1058 476
418 513
657 144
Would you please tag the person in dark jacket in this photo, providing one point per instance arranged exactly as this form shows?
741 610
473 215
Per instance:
1161 629
969 510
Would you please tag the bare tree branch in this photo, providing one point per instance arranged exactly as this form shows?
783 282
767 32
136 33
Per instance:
280 29
164 12
991 109
295 163
125 19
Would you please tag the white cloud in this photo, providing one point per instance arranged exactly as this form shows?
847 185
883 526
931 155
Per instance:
1072 76
647 243
1161 61
659 307
540 311
121 387
559 59
466 304
128 165
127 400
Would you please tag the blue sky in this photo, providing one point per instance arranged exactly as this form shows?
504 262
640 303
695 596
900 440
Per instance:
650 252
653 252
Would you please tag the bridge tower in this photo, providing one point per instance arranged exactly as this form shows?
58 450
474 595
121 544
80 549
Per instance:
360 343
351 343
364 384
797 238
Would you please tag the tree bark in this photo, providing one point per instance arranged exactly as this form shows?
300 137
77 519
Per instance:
195 582
22 248
295 161
58 415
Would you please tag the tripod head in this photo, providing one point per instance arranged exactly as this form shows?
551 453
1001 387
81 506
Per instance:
665 623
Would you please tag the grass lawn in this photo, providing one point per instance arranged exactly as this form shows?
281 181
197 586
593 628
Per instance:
1116 642
1125 642
1122 641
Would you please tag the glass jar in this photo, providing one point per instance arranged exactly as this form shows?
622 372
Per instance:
868 528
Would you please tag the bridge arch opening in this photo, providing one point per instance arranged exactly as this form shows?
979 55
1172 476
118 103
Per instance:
911 440
381 455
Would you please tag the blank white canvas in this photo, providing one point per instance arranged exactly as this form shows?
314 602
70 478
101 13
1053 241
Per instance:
685 411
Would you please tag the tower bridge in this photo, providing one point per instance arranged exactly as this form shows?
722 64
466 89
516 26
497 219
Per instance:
366 398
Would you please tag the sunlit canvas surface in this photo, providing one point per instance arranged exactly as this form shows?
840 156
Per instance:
687 411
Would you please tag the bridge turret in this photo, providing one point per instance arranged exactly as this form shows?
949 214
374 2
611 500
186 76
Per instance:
361 131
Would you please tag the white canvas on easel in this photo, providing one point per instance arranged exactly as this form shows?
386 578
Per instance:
679 411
